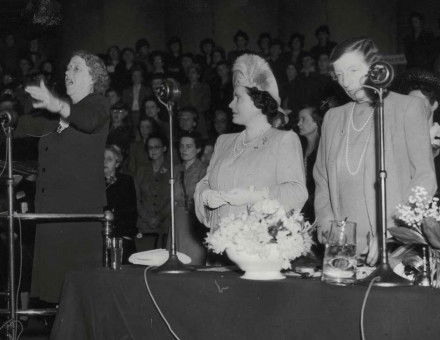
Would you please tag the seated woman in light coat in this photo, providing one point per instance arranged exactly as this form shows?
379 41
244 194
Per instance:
257 163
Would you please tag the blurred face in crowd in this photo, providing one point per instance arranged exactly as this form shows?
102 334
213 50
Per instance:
291 72
33 45
241 43
216 57
308 62
187 62
113 53
117 117
323 64
145 129
208 150
175 48
188 149
275 51
416 23
47 67
430 107
186 121
158 62
128 56
25 66
207 48
242 106
264 43
78 79
220 122
322 38
151 109
7 79
144 50
223 71
113 97
306 123
156 83
156 149
137 77
351 71
296 44
193 75
110 163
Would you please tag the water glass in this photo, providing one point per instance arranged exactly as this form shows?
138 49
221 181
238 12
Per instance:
116 252
340 261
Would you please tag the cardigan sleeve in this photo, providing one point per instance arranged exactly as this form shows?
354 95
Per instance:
323 209
290 189
419 147
89 115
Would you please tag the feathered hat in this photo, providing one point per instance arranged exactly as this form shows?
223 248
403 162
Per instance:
250 70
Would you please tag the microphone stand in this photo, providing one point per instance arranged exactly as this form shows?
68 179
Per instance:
173 265
387 277
12 303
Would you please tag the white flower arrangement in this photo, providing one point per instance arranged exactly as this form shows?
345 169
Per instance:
256 231
419 207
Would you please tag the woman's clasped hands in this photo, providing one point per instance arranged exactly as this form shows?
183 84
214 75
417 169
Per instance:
236 197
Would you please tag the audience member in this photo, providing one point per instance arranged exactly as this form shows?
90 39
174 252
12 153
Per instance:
419 44
325 45
153 196
121 199
189 232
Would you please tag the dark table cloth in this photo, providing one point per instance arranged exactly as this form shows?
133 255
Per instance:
104 304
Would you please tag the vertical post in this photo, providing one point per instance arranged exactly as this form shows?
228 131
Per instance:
107 232
12 331
383 179
173 245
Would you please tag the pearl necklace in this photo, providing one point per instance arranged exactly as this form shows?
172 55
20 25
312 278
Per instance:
354 172
238 151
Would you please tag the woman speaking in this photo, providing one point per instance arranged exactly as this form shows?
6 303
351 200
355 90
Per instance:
260 161
345 168
70 177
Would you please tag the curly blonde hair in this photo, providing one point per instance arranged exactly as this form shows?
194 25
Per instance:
97 69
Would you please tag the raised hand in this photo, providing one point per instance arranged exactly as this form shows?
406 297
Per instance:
44 99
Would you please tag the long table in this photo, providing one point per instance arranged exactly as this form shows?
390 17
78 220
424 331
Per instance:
103 304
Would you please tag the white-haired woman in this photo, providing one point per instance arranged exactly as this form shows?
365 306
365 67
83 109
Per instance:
257 163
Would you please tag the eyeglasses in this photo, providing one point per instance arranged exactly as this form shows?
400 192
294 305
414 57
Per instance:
155 147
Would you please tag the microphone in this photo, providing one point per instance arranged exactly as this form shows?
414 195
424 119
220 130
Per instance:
169 91
8 118
380 74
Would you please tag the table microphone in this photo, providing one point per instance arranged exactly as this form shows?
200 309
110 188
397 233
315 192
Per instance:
380 74
168 91
8 118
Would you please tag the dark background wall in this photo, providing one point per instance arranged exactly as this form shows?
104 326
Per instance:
97 24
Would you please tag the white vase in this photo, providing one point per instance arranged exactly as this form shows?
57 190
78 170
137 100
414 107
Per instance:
255 267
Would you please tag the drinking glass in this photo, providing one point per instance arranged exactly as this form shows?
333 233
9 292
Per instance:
116 252
340 262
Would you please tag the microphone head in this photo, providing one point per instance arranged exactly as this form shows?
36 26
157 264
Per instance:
168 91
8 117
380 74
